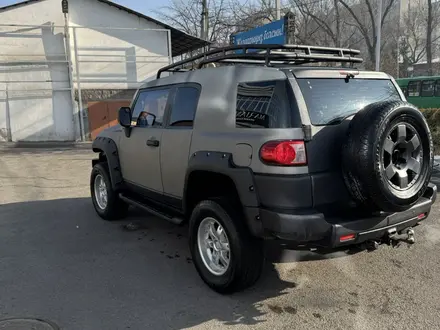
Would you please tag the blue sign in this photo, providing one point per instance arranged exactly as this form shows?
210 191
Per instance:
272 33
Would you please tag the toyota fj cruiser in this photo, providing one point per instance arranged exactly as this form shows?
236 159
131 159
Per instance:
268 145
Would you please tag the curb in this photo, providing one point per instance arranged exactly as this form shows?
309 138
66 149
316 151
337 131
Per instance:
45 145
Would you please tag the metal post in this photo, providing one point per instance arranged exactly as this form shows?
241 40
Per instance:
278 9
204 22
78 84
398 57
378 34
289 26
70 72
170 50
8 117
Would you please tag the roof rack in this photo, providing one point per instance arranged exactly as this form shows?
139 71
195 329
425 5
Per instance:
267 55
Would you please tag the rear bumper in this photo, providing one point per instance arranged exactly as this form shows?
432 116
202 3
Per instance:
309 228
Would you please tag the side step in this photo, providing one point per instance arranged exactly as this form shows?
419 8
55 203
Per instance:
149 209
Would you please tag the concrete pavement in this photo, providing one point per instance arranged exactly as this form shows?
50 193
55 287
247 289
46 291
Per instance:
60 262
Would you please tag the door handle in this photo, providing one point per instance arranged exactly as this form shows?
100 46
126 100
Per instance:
152 143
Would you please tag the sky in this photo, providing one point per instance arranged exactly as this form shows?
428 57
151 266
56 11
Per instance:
143 6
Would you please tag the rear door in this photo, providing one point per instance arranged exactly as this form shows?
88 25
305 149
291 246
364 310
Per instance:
176 141
328 99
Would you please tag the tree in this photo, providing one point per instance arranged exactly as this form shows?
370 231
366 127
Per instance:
322 23
363 18
185 15
420 23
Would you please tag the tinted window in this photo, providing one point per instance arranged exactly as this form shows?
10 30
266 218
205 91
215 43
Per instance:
265 104
437 88
150 108
428 88
184 107
328 99
414 88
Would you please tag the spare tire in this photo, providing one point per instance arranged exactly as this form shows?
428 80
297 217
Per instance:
388 156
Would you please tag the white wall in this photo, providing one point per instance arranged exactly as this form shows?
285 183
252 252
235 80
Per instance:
125 46
40 115
50 115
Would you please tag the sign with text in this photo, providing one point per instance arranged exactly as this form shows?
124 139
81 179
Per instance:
272 33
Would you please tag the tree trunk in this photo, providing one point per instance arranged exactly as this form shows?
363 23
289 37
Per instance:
338 24
429 38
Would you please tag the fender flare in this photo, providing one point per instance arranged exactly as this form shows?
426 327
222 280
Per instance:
109 148
242 177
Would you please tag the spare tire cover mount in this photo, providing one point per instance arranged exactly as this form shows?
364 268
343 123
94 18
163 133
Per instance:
402 156
387 156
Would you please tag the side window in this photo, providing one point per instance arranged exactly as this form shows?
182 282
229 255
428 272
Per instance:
264 104
427 88
437 88
184 107
414 88
150 107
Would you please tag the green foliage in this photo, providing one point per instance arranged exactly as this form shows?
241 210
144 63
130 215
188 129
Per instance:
432 115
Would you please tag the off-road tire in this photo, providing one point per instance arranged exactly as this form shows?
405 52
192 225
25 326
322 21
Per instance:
115 209
247 252
364 159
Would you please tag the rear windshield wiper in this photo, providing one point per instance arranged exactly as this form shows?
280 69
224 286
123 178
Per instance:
339 119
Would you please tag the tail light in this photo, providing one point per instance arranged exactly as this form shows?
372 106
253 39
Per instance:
287 152
347 238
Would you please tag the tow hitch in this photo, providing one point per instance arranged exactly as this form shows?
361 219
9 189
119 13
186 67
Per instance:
393 238
406 236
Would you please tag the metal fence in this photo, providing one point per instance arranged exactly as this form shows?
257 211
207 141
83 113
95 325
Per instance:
38 60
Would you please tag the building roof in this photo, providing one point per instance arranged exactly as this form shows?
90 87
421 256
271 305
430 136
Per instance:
181 42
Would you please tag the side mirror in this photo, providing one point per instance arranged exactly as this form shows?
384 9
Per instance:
124 117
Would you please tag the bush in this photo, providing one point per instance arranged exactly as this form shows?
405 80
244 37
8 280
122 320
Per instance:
433 117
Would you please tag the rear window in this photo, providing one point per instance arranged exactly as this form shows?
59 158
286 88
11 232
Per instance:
328 99
265 104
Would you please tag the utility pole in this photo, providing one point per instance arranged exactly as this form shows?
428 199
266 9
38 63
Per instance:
378 34
429 38
278 9
204 33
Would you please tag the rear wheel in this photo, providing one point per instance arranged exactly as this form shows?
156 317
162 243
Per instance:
106 201
225 255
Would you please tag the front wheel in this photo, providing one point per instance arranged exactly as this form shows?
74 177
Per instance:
225 255
106 201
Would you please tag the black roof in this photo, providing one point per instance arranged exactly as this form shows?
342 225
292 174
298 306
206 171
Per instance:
181 42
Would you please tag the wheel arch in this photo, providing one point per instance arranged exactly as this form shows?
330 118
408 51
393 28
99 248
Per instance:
213 174
108 151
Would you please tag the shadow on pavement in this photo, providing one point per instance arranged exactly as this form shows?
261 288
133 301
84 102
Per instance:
436 173
62 263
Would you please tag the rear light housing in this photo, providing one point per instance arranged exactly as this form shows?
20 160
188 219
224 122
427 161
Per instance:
347 238
284 153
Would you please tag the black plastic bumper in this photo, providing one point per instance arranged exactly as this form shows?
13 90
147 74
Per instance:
309 228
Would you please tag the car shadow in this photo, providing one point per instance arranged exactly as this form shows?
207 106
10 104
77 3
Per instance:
435 178
61 262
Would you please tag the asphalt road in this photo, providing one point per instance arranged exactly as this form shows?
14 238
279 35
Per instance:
59 261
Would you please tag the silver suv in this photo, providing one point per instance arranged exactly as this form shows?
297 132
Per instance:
257 142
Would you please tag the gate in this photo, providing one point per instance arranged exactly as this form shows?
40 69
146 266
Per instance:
103 114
